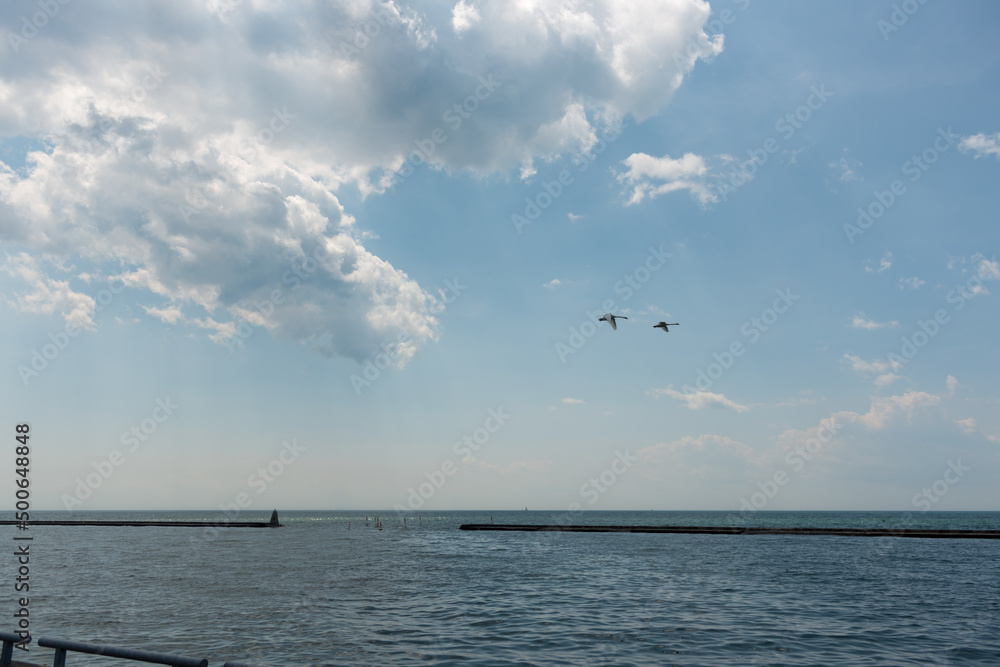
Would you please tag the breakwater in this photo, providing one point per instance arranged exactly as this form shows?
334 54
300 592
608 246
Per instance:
743 530
273 523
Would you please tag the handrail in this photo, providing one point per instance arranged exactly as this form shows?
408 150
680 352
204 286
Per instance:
9 639
62 646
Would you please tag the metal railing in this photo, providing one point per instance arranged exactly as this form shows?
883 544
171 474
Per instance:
9 639
63 645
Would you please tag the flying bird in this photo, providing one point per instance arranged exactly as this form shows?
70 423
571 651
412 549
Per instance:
664 325
610 319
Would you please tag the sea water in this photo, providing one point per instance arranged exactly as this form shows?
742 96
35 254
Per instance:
330 588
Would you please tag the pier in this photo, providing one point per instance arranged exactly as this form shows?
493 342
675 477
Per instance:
746 530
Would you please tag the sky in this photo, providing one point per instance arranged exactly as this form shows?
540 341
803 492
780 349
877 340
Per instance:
353 254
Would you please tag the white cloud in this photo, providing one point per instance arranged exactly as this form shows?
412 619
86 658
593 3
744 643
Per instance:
884 369
987 269
701 399
47 296
673 174
844 426
554 283
952 383
208 190
861 366
463 16
886 379
573 217
168 314
912 283
884 264
981 145
847 169
968 426
885 410
859 321
572 401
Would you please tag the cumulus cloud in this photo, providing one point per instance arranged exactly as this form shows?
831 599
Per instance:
859 365
981 145
168 314
912 282
883 412
952 383
649 176
847 169
700 400
886 379
859 321
887 441
884 264
47 296
463 16
986 268
215 188
572 401
885 409
967 425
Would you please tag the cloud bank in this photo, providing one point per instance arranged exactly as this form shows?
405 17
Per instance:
194 151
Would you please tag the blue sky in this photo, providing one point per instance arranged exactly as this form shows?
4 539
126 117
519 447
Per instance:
298 248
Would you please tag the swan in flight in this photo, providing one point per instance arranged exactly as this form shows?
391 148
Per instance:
664 325
610 319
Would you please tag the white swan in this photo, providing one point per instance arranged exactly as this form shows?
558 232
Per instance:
610 319
664 325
